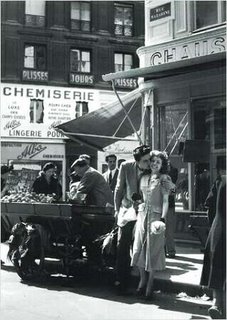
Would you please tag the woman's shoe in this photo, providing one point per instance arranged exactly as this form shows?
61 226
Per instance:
149 295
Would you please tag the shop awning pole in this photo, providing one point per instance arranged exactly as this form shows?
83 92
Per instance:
134 129
118 128
175 132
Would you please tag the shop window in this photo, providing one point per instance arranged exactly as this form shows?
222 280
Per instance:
208 13
80 61
123 20
123 62
35 13
209 125
35 57
173 131
81 109
80 15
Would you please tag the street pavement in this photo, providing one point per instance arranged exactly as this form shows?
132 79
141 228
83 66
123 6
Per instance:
93 298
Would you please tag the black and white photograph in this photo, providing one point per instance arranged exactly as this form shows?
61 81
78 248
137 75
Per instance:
113 160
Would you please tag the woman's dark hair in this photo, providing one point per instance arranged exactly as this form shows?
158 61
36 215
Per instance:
162 156
48 165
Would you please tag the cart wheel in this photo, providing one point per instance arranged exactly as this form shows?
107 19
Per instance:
29 268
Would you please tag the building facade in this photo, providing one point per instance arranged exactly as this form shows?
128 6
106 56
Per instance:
53 56
183 82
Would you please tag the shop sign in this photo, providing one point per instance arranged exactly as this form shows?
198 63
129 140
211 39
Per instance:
34 111
31 151
126 83
186 51
34 75
81 79
160 12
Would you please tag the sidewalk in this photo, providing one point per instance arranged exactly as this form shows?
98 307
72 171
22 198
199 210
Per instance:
182 274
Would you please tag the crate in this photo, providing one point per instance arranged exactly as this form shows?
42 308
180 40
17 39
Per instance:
47 209
80 209
65 210
20 208
3 207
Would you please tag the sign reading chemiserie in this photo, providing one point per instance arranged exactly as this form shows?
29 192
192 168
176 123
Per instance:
34 111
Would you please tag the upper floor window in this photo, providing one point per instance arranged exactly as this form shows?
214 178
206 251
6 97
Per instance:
81 15
35 13
35 57
123 19
208 13
80 61
123 61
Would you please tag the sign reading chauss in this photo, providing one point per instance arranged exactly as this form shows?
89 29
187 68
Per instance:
160 12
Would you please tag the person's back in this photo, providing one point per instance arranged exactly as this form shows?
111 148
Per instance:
92 184
97 189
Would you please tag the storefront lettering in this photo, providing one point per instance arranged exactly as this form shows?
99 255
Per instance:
48 93
35 75
81 78
12 124
55 134
188 51
31 150
25 133
127 83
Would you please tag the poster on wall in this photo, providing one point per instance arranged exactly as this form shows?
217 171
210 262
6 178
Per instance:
28 160
29 111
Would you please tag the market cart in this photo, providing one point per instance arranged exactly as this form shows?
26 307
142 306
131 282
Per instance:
67 232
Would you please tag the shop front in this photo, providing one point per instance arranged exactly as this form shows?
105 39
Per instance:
183 87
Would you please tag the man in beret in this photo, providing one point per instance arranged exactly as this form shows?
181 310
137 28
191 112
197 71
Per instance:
92 187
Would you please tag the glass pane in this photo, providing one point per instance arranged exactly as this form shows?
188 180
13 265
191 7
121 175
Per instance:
74 60
85 11
128 31
173 132
118 58
36 8
219 128
118 67
41 58
128 16
85 25
206 13
118 29
85 56
75 10
128 60
85 66
29 62
119 15
75 24
29 51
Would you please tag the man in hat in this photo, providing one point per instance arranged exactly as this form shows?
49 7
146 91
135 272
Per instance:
92 187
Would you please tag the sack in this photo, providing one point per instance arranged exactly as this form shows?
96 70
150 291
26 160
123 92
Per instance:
125 215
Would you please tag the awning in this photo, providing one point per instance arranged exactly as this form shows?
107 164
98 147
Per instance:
108 124
171 68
